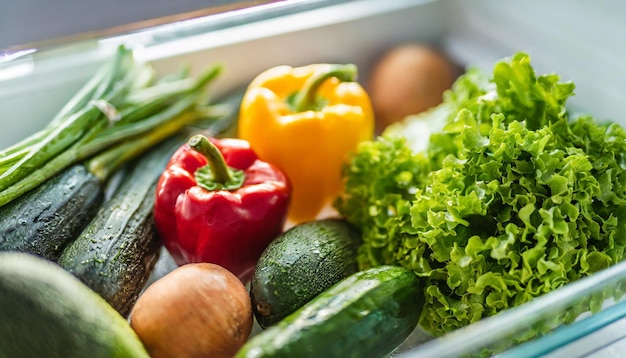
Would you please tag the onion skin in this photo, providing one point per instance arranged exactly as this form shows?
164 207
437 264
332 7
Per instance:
199 309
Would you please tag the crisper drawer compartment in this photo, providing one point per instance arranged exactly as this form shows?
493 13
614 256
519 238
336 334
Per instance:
578 41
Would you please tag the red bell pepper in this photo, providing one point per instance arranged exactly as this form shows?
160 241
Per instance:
217 202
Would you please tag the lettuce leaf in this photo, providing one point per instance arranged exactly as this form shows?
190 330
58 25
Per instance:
511 199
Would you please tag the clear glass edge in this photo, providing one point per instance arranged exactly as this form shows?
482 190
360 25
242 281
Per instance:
93 49
170 29
565 335
156 41
491 330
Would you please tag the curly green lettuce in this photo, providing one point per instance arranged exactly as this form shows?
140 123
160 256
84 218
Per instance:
511 199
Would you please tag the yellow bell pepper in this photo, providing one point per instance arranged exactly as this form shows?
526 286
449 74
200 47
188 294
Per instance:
306 120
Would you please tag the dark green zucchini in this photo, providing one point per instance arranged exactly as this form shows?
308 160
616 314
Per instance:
117 251
301 263
368 314
47 312
43 220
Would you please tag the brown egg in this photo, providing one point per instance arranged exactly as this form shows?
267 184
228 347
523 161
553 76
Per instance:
408 79
197 310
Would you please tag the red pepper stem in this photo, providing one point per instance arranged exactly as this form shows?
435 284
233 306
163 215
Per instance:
306 98
202 145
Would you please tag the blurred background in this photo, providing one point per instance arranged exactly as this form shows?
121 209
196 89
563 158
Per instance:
34 21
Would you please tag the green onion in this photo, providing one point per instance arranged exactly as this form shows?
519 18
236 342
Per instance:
122 110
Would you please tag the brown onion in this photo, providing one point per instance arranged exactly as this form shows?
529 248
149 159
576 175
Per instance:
199 309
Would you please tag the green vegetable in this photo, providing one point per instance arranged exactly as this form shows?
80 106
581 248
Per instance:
51 205
116 252
513 198
121 102
301 263
367 314
46 312
45 219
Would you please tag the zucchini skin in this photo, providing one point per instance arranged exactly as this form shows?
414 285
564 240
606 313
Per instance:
45 219
118 250
368 314
46 312
301 263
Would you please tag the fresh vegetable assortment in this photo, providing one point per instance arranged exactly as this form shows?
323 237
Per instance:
120 103
367 314
514 198
509 197
54 181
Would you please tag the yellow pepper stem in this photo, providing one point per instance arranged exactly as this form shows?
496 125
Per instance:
306 98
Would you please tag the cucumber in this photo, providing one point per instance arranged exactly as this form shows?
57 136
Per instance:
117 251
301 263
46 312
368 314
46 218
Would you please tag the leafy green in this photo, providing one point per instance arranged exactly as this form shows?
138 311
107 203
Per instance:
512 198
